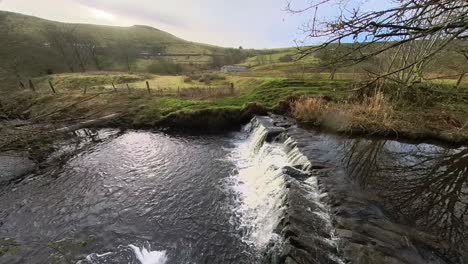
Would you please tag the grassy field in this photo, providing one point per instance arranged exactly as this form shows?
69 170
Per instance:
31 47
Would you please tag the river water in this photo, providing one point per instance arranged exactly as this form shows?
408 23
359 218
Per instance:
153 198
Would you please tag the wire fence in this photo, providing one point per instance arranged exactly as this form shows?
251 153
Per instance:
128 88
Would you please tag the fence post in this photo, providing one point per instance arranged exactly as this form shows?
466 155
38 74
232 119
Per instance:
113 85
22 85
31 85
232 88
148 87
128 88
52 87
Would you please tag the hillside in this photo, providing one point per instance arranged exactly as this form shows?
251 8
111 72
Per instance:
32 46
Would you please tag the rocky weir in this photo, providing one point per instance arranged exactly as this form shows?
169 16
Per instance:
326 217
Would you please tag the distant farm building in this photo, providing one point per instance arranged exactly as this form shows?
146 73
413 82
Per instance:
233 68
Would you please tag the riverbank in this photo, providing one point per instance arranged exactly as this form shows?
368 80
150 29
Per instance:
443 119
34 121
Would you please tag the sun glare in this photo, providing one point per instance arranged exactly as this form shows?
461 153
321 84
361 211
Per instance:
102 14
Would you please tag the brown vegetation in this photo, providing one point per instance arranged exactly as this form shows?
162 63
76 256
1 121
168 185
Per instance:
378 115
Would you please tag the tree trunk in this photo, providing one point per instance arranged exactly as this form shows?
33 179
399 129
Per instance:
332 74
128 63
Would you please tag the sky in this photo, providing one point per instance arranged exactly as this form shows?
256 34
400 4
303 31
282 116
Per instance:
234 23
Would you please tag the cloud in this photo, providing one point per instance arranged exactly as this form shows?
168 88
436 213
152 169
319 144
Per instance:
247 23
143 10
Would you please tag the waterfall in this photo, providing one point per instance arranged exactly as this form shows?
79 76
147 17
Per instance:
270 166
258 183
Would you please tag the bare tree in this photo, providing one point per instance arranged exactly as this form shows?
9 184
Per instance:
58 40
378 31
79 48
92 49
462 67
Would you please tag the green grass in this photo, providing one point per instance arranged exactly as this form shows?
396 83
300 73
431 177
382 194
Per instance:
270 93
31 47
78 81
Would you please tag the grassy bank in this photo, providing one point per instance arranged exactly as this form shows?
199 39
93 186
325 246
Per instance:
438 112
426 112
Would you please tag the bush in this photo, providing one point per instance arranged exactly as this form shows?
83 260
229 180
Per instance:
286 58
164 67
188 79
205 78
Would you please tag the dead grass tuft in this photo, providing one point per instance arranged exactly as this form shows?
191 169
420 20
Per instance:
310 109
375 111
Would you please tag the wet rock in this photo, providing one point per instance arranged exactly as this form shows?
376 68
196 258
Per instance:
295 173
273 132
14 166
309 255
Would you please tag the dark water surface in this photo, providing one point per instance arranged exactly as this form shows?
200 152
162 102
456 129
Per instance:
151 198
422 186
142 189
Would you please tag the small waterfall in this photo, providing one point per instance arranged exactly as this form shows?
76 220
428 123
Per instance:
259 184
278 196
295 156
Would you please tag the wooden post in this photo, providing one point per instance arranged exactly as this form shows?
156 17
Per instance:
22 85
232 88
85 90
31 85
128 88
460 79
52 87
113 85
148 87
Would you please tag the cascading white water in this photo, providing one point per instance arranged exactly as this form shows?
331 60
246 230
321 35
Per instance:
259 184
146 256
295 157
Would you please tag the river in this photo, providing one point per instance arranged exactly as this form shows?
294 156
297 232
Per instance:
153 198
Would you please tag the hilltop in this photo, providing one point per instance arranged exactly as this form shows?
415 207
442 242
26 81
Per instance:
32 46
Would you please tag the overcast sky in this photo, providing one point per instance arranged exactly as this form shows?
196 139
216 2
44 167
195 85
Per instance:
233 23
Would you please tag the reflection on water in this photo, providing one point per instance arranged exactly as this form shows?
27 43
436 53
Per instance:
425 185
140 197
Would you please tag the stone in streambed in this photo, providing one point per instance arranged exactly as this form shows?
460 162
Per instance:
14 166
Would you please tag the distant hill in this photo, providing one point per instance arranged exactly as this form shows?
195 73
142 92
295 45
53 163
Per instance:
31 46
448 63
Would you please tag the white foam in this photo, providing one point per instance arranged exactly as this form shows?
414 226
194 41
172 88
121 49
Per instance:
259 184
145 256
